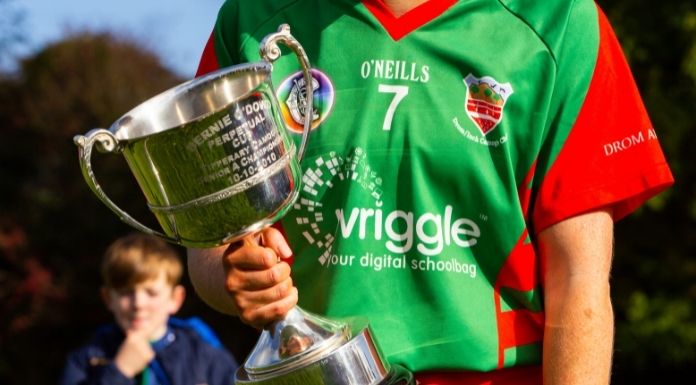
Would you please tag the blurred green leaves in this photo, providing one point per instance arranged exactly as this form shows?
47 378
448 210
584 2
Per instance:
658 323
689 64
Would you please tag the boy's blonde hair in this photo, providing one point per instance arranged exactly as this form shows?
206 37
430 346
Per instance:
138 257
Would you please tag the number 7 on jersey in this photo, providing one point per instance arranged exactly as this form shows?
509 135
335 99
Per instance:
400 93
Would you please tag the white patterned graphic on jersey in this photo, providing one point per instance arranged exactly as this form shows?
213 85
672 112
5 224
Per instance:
329 173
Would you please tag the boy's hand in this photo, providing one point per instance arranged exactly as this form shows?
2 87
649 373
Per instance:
257 278
134 354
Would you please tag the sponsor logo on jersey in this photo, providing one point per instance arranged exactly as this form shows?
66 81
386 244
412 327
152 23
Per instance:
400 239
292 94
485 100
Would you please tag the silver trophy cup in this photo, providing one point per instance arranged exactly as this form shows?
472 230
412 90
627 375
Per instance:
215 162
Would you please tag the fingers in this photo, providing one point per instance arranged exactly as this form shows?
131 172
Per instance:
257 280
251 276
273 239
261 316
249 255
270 239
258 298
134 354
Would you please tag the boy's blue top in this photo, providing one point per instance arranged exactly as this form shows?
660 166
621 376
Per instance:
189 353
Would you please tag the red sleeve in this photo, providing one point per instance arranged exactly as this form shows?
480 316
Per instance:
612 157
208 62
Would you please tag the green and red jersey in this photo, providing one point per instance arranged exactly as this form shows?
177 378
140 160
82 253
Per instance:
443 141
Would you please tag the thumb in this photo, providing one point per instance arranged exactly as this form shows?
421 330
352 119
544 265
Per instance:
274 239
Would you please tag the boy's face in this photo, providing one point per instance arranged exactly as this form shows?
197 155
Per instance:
145 308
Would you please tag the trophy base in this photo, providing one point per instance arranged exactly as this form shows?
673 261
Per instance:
353 361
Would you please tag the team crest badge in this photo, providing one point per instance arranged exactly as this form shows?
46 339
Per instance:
292 93
485 99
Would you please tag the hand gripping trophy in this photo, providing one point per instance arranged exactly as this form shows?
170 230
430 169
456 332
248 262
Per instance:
201 200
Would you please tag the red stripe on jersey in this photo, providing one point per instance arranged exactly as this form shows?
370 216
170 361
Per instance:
209 62
518 326
398 27
522 327
611 157
524 191
519 272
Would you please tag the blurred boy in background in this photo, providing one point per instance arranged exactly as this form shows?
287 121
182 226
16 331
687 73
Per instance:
141 276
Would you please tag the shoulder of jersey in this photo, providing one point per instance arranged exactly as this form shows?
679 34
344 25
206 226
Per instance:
550 19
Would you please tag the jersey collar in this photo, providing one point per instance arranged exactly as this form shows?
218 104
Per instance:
398 27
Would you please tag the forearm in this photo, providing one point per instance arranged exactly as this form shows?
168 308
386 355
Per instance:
578 337
579 328
207 273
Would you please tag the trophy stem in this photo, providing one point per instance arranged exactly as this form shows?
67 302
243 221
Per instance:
299 338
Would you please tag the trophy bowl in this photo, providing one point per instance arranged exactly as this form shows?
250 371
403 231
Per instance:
212 155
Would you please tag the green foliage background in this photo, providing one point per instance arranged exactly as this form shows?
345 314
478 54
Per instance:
53 230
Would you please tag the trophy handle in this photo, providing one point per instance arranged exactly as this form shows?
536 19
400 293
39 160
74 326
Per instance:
271 52
106 142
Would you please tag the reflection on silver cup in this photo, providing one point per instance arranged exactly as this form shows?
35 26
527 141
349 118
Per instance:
212 155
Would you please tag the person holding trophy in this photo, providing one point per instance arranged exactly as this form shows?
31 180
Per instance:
466 164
